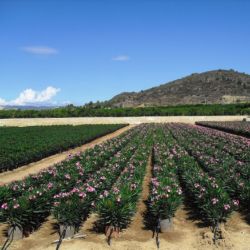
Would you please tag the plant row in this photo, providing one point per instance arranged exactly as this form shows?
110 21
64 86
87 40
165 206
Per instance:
72 208
217 164
236 127
22 145
117 207
165 191
29 206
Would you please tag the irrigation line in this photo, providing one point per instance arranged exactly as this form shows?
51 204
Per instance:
215 231
62 235
109 237
157 230
8 241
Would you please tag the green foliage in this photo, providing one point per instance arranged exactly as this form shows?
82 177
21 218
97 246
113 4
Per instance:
98 111
20 146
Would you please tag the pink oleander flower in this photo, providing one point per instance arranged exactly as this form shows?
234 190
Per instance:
82 194
226 206
116 190
133 186
50 185
214 201
78 164
56 203
90 189
105 193
236 202
4 206
16 206
32 197
67 176
196 185
179 191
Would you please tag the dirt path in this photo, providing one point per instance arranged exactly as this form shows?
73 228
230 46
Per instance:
35 167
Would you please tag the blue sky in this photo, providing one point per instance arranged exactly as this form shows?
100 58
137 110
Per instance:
78 51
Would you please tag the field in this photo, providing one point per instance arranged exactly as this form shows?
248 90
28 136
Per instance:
20 146
238 128
121 191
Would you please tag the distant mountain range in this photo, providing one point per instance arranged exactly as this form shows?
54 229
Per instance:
218 86
31 107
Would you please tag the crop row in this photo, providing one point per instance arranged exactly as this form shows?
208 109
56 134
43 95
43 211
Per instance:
233 174
188 163
26 203
238 128
22 145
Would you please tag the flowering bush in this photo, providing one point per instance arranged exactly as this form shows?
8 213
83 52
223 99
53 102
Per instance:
118 206
166 193
207 193
216 159
236 127
35 193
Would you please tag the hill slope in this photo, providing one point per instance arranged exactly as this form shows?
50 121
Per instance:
218 86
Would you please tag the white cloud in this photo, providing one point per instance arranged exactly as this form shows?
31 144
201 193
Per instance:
40 50
33 97
2 102
121 58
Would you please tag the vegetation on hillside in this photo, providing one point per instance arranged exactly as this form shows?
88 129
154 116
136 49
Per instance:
98 111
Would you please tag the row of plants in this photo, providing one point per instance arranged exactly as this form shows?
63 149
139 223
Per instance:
235 127
165 191
83 163
72 208
22 145
234 176
206 193
99 111
237 146
116 208
215 151
28 209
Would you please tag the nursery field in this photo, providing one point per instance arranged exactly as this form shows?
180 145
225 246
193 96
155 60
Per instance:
171 186
20 146
235 127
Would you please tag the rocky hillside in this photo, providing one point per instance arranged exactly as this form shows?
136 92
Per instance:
219 86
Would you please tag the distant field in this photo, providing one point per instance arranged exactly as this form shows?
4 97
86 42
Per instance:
20 146
22 122
235 127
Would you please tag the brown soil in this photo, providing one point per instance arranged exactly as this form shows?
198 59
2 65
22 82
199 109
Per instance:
35 167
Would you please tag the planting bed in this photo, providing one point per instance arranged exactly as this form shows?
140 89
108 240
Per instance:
189 182
236 127
20 146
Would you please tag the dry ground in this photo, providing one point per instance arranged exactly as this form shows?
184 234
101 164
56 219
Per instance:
113 120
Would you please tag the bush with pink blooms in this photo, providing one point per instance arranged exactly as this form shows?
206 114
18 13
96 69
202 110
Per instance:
165 190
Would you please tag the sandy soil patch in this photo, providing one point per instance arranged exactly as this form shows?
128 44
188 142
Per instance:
21 122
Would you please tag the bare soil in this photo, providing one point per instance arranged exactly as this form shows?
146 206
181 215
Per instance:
35 167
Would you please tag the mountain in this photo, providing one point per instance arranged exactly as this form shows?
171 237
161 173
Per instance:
26 107
218 86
